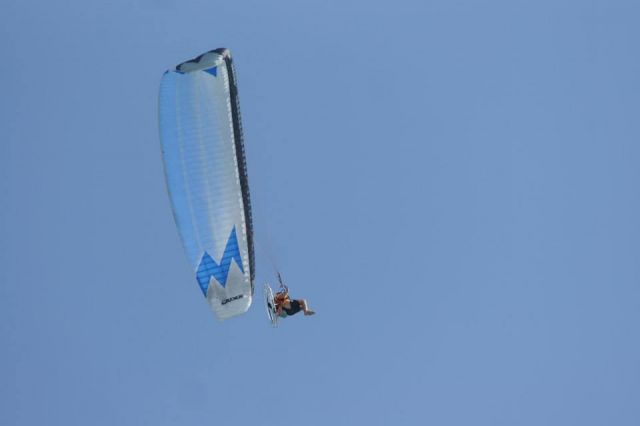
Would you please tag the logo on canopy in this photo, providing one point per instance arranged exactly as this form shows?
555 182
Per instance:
208 267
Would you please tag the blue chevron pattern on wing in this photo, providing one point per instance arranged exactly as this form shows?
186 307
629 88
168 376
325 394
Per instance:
208 267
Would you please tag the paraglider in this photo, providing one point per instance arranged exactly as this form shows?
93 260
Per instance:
206 176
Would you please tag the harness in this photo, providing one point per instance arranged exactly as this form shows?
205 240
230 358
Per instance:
282 296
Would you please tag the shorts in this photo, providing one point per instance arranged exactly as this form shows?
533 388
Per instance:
295 308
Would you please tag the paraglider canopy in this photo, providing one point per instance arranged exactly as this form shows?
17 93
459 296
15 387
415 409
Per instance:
206 175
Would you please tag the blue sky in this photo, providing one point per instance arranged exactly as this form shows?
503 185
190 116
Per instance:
453 185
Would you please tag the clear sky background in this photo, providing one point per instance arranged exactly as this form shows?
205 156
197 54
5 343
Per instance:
453 185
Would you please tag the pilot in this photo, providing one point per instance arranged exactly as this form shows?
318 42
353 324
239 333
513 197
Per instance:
285 306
